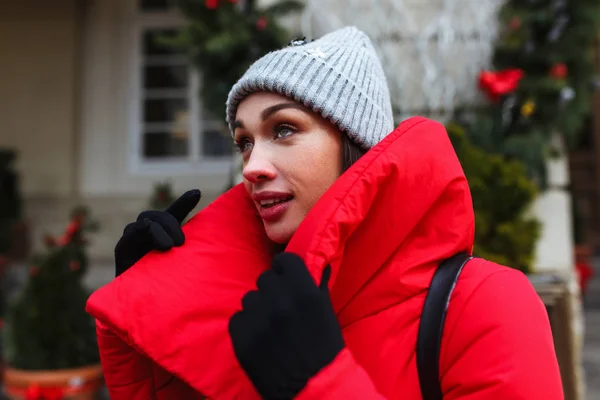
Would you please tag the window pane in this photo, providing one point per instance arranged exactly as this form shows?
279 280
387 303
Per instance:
165 77
152 44
165 144
216 143
156 5
164 110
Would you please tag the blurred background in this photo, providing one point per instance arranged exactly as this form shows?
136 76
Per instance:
112 107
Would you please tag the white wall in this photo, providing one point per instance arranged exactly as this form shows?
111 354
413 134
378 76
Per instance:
38 102
554 250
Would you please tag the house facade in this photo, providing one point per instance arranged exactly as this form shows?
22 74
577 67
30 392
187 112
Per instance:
98 113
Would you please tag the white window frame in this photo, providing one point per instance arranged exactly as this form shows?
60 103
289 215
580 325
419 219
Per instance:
196 163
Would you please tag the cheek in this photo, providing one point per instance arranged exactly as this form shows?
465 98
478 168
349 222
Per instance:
314 169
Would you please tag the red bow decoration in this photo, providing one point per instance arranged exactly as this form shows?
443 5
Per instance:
500 83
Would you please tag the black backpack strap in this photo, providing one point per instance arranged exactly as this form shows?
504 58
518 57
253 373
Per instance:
432 324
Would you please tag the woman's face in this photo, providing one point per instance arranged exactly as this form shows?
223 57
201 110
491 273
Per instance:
291 157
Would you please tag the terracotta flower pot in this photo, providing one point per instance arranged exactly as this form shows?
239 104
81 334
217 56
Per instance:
69 384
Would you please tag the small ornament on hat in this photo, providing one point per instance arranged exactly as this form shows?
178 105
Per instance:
298 42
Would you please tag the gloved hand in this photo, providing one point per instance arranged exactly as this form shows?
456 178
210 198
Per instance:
154 230
287 330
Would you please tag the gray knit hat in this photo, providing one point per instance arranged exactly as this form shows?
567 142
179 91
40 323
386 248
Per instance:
338 76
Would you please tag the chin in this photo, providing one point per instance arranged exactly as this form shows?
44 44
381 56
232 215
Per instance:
279 234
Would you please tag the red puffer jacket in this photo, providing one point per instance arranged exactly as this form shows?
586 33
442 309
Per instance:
383 227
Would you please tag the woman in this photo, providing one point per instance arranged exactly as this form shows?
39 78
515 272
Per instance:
308 280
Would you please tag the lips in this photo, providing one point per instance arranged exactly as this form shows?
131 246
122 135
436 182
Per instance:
271 202
272 205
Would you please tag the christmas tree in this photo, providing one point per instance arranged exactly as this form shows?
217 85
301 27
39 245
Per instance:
47 327
224 37
541 82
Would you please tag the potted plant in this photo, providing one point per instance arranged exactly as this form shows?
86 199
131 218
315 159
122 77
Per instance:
50 341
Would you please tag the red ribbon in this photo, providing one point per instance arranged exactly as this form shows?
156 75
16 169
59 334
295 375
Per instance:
35 392
500 83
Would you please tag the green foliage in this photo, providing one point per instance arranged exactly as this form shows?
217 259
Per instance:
552 42
502 194
47 327
225 40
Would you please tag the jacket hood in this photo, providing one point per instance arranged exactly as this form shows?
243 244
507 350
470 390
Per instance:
383 227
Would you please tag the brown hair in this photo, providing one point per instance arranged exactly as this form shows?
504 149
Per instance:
351 152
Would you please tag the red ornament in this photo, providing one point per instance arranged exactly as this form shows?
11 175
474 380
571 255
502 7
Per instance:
211 4
74 265
500 83
34 270
73 227
559 71
261 23
514 23
33 392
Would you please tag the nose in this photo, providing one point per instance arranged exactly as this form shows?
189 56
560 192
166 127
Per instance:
259 167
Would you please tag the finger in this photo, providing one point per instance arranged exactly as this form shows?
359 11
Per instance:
184 204
168 222
294 270
134 227
162 241
251 300
325 278
272 290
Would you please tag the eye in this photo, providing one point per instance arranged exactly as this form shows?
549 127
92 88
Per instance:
283 131
243 145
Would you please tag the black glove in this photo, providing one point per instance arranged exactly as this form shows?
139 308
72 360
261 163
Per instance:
287 330
154 230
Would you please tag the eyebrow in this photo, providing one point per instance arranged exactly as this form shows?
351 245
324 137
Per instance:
267 112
